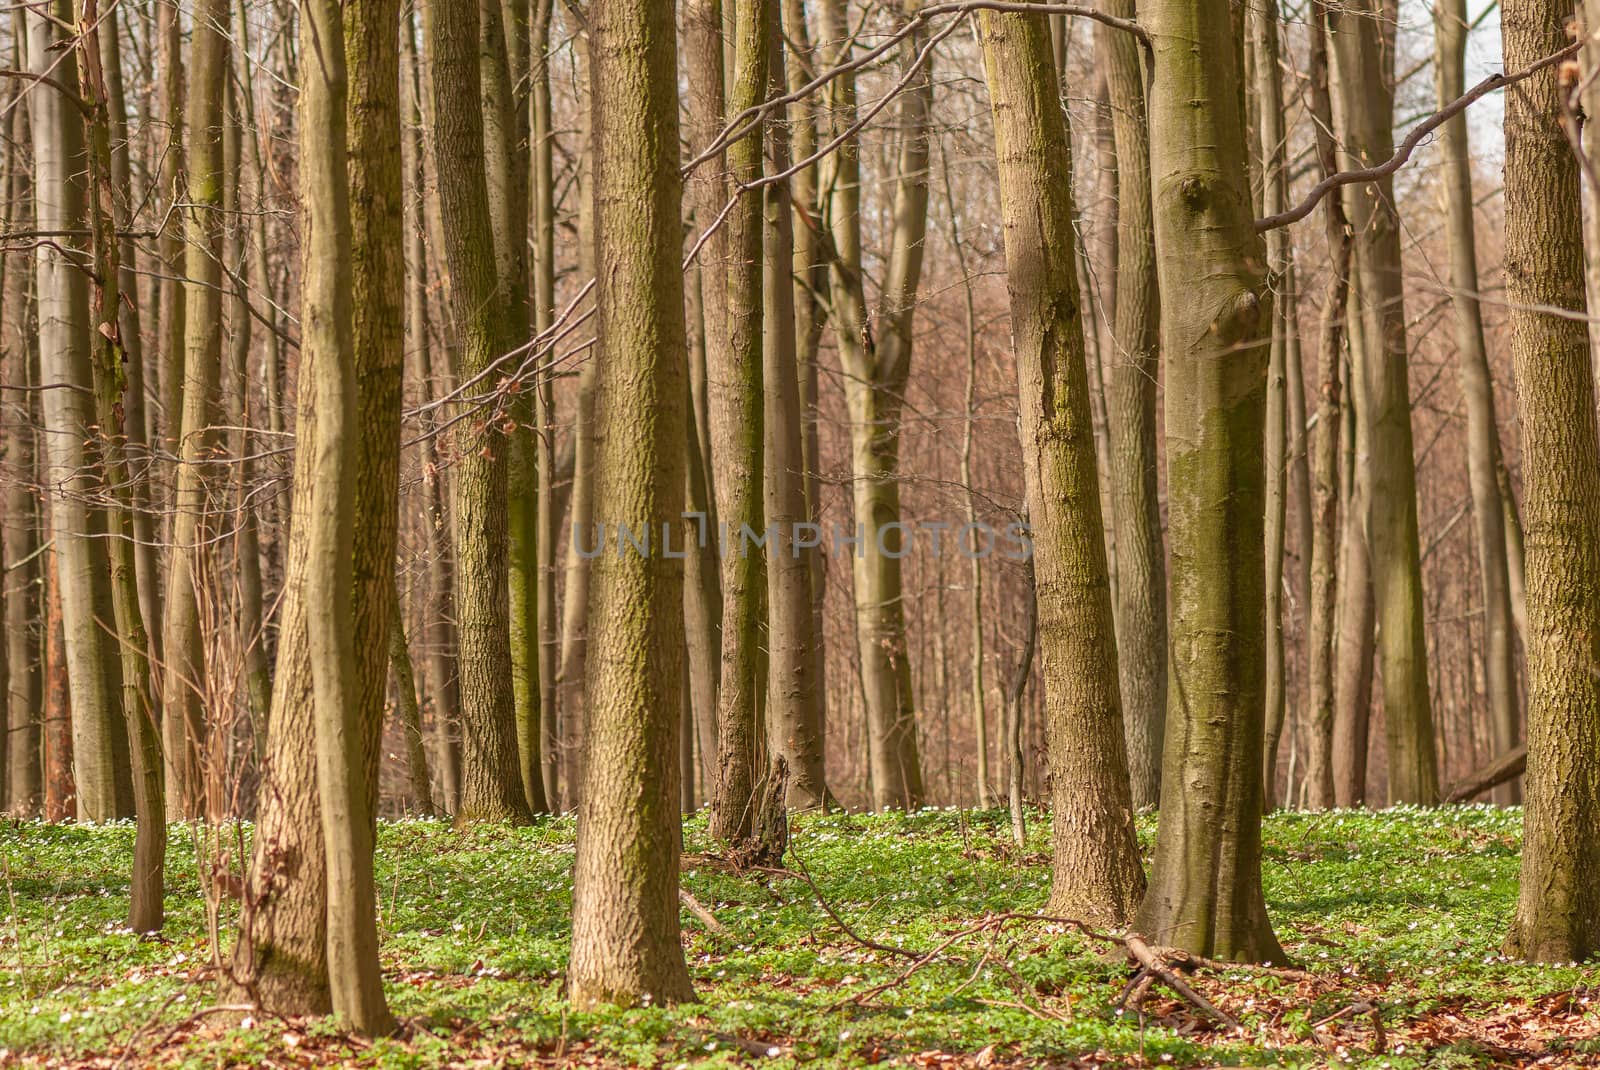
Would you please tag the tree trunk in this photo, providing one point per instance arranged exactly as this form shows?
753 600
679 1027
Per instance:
1477 390
1136 365
1352 716
1205 885
1262 22
1558 909
405 681
876 368
625 932
443 684
24 608
145 910
794 704
542 143
351 286
491 784
1325 580
1096 873
99 731
734 377
504 73
1364 104
811 317
184 688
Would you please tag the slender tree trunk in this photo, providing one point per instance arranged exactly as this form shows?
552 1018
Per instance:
575 584
184 689
1477 390
24 606
351 288
1352 718
1136 365
876 368
173 313
1262 23
145 910
135 418
491 785
1096 872
250 616
810 286
503 45
1364 104
1558 909
1205 885
405 681
60 788
443 684
1325 580
99 732
734 378
794 705
542 144
625 934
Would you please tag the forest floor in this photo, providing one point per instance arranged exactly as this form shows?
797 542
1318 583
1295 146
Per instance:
1395 918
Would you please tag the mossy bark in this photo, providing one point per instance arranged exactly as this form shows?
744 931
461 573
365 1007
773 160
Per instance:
1205 885
491 783
625 932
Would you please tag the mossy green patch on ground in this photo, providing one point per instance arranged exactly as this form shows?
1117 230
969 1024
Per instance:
1396 917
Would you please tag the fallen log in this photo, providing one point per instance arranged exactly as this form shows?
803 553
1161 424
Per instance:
1508 766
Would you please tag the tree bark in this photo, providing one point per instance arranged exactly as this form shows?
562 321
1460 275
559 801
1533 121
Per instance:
1141 556
625 930
1205 885
99 732
491 784
184 687
794 703
1096 874
1325 581
1558 908
107 358
734 376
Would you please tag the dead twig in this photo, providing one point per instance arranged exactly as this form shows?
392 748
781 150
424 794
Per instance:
1149 960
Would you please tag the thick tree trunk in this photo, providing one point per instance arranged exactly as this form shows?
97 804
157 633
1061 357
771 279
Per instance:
1096 873
1205 885
99 731
1364 104
1558 909
1136 365
625 931
491 784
